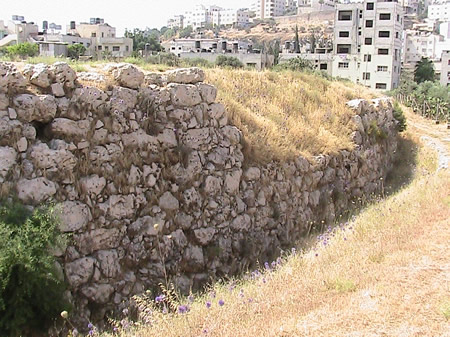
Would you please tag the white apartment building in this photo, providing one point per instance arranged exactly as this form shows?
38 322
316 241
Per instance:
266 9
323 5
290 6
176 22
231 17
445 68
439 11
368 42
200 16
418 44
410 6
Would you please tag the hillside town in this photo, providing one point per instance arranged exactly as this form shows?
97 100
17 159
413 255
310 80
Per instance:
368 42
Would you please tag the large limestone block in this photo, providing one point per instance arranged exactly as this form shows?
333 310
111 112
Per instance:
122 100
185 75
126 75
64 74
232 182
204 235
168 138
208 92
146 226
36 190
39 74
74 216
7 159
98 293
109 262
118 206
195 138
99 239
93 185
52 160
11 79
252 173
168 202
4 102
213 185
89 98
79 271
103 154
31 108
64 128
232 133
241 222
184 95
139 139
193 259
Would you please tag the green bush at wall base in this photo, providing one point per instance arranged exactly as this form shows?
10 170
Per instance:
31 294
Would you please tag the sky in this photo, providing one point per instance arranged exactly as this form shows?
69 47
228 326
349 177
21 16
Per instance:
118 13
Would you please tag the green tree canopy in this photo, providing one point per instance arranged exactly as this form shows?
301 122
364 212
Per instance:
424 71
143 38
23 50
76 50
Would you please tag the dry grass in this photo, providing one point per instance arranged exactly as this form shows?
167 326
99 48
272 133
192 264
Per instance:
384 274
286 114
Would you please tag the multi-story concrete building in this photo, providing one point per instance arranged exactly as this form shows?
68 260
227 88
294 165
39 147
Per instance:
103 38
18 31
418 44
439 10
176 22
368 42
266 9
445 68
231 17
410 6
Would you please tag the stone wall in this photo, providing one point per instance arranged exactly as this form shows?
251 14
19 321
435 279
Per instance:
151 179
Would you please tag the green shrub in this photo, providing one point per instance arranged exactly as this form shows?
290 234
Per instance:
197 62
76 50
228 61
31 294
399 117
23 50
295 64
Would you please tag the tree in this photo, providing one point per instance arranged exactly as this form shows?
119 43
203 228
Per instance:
297 41
144 40
228 61
76 50
186 32
424 71
23 50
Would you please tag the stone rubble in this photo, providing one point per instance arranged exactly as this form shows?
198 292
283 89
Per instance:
151 179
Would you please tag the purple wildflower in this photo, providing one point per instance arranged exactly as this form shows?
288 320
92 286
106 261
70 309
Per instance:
208 304
191 298
182 309
221 302
90 326
160 298
266 265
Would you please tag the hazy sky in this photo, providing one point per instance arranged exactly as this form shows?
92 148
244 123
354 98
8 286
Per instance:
118 13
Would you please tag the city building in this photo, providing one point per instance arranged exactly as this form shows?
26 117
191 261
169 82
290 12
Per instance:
439 10
368 42
176 22
104 41
18 31
210 49
323 5
410 6
445 68
266 9
322 59
231 17
418 44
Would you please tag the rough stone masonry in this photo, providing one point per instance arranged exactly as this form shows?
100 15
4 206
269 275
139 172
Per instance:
157 149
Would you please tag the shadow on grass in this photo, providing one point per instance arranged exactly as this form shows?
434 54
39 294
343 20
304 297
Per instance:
405 163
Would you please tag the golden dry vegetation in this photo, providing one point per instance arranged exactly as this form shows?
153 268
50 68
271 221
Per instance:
286 114
385 273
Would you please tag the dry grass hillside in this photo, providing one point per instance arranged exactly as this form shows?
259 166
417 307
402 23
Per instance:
286 114
385 273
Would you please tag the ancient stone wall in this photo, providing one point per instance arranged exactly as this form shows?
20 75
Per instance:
156 149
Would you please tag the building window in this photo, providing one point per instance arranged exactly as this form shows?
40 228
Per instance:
344 34
380 86
383 51
127 48
323 66
99 48
385 16
368 41
345 15
367 58
370 6
384 33
366 76
398 17
116 48
382 68
343 48
103 34
343 65
369 23
396 35
106 47
93 34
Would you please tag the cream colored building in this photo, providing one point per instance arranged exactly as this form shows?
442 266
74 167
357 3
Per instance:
368 42
266 9
445 68
439 10
18 31
104 41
